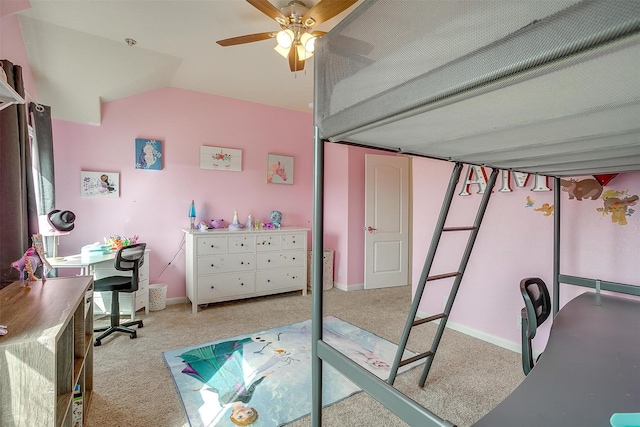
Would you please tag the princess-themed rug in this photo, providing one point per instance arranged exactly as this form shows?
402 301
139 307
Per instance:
264 379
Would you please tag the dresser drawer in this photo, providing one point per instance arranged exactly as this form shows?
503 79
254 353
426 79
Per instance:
280 259
242 244
225 285
267 242
283 278
225 263
211 245
294 241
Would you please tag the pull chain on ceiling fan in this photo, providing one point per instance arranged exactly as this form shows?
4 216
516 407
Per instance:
296 38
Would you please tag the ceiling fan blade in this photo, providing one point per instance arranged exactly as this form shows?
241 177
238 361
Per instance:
249 38
270 10
295 63
325 10
318 33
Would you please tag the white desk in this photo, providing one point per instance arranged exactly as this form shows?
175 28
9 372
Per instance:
101 265
86 263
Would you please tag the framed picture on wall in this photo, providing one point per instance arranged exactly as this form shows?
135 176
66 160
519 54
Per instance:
148 154
99 184
279 169
218 158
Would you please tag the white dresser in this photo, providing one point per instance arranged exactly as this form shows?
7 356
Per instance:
223 265
137 300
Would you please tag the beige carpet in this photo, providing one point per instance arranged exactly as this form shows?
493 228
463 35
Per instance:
133 387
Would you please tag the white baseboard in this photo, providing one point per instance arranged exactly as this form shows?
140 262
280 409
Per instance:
347 288
500 342
177 300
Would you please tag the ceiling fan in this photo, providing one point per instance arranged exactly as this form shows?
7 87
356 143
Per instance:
296 38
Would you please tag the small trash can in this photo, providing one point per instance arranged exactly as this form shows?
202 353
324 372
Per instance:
157 296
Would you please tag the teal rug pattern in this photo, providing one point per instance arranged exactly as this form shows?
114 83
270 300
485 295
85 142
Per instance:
264 379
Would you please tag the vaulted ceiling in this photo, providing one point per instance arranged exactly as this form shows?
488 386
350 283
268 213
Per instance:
79 57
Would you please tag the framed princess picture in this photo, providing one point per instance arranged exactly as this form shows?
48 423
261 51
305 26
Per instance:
148 154
99 184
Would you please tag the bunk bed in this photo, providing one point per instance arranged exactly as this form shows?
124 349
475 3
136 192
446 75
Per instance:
547 88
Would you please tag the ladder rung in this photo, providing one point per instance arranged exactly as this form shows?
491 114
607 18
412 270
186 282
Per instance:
429 319
443 276
471 227
416 357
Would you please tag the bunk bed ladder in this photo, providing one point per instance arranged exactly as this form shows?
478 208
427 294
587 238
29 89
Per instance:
424 277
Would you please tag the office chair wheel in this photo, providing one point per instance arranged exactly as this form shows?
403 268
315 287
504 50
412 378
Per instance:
133 335
97 343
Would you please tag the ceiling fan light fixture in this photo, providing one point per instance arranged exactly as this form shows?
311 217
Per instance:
308 41
302 53
282 51
285 38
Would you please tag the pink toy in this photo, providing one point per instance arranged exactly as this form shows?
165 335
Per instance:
217 223
30 262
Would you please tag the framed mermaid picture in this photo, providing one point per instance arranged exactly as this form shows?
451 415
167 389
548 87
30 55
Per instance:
279 169
148 154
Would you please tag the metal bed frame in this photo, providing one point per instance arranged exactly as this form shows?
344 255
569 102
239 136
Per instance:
405 408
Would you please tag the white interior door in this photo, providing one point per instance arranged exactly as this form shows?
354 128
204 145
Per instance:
386 227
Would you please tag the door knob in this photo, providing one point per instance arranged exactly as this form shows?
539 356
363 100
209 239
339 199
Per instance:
369 229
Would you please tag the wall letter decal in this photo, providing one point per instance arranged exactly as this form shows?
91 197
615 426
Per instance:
481 180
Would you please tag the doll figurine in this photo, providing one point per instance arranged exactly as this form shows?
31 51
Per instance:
33 258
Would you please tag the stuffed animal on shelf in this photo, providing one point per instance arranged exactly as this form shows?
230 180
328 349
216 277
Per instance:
217 223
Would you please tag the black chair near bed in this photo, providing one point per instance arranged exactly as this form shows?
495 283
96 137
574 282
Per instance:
128 259
537 307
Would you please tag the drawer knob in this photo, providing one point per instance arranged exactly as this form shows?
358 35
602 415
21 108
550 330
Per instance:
241 244
268 280
241 284
212 287
213 246
212 265
294 258
268 260
241 262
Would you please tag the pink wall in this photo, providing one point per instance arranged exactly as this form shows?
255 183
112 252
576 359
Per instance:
344 211
514 242
154 204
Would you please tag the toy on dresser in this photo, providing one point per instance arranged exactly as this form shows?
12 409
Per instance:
217 223
31 260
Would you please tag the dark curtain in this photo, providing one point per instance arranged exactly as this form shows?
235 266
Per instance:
18 211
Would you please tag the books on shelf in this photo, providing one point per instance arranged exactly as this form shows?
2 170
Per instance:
77 407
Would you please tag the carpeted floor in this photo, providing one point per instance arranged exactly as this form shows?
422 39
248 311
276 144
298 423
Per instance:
133 388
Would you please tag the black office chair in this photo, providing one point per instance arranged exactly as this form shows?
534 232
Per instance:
128 258
537 307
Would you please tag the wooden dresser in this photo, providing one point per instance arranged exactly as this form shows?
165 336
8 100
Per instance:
47 352
223 265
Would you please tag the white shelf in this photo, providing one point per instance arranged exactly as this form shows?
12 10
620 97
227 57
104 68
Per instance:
8 96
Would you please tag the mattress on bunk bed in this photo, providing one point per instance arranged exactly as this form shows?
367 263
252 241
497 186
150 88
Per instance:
441 38
540 87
